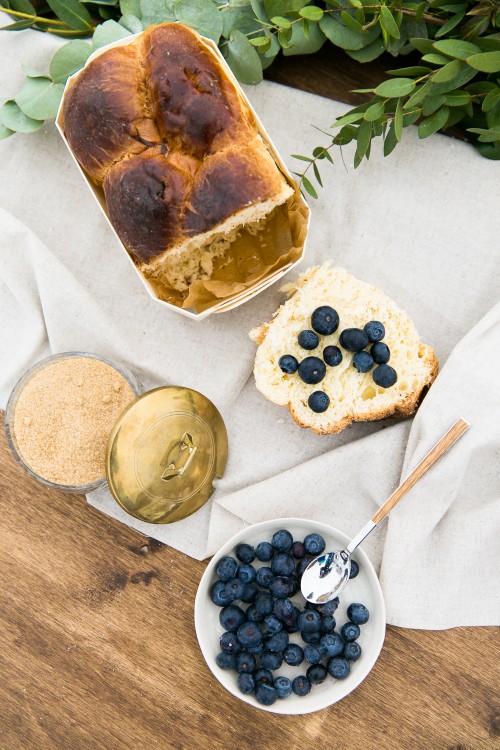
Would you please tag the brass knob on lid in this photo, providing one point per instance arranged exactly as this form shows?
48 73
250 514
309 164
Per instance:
164 452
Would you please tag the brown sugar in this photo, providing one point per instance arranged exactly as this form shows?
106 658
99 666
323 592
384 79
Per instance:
63 418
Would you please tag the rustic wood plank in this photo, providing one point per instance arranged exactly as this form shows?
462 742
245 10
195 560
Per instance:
98 650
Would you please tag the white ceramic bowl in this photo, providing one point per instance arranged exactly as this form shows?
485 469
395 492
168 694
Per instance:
365 588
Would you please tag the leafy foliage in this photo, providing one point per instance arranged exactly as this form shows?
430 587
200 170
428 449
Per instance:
456 78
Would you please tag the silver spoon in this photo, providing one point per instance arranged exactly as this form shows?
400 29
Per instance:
326 576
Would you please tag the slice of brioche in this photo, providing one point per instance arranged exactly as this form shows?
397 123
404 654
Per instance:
354 396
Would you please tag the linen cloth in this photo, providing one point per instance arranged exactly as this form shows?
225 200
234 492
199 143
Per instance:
423 225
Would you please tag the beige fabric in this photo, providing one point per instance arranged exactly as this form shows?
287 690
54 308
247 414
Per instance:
422 225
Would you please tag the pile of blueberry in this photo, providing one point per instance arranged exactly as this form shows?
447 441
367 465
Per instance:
312 370
256 641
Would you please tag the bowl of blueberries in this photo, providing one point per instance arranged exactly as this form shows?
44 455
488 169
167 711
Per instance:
264 642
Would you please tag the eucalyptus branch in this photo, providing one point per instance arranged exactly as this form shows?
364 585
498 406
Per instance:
35 19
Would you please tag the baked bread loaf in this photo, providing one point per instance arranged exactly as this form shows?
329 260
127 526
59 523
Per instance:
159 125
353 396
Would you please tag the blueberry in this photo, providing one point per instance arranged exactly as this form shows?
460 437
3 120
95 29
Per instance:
231 617
311 638
282 564
353 339
290 622
358 613
245 683
263 677
309 621
381 353
270 659
301 685
246 573
352 651
283 686
338 668
314 544
328 624
318 402
235 588
325 320
308 340
298 550
218 594
350 631
332 356
266 694
354 569
362 361
312 370
264 577
288 364
328 608
225 660
255 649
374 330
271 623
283 608
226 568
293 654
316 674
264 603
282 540
278 641
253 615
245 662
249 634
229 643
313 654
250 592
302 565
245 553
332 644
264 551
282 587
385 376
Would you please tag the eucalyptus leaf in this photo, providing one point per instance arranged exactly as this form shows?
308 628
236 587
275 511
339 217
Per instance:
375 111
491 100
351 22
398 121
489 150
388 22
200 15
131 23
457 98
394 87
243 59
72 12
282 7
108 32
419 94
312 13
39 98
487 62
414 70
130 8
363 138
369 53
450 24
302 45
309 187
156 11
285 37
242 19
283 23
5 132
23 6
32 73
432 124
422 45
18 25
68 59
346 38
463 77
435 59
432 104
13 118
448 72
456 48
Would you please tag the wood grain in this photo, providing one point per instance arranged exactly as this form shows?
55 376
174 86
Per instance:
98 651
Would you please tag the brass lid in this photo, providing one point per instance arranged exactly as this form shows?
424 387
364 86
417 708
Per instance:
164 452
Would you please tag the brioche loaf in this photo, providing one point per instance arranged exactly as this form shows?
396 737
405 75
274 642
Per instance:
354 396
159 125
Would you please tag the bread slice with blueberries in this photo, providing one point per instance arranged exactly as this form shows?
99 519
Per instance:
340 351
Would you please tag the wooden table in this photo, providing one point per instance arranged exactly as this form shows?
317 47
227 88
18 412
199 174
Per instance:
97 642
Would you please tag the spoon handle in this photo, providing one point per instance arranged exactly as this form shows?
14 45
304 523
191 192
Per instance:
418 472
422 468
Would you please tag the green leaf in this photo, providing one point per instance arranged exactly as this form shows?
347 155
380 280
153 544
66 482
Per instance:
450 24
420 10
312 13
422 45
343 137
356 3
363 138
347 119
68 59
351 22
13 118
388 22
317 174
419 95
432 104
412 116
243 59
375 111
309 187
395 87
72 12
5 132
415 70
260 42
486 62
300 44
18 25
284 37
108 32
463 77
456 48
346 38
281 21
486 135
131 23
448 72
39 98
491 100
130 8
282 7
489 150
200 15
369 53
156 11
390 140
433 123
302 158
32 73
22 6
398 121
435 59
457 98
